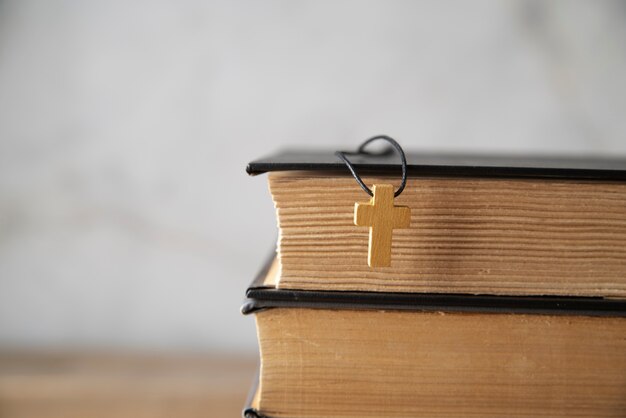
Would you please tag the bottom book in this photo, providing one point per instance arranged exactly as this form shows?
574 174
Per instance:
342 361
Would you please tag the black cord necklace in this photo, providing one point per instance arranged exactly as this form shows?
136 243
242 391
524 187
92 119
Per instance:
379 214
361 150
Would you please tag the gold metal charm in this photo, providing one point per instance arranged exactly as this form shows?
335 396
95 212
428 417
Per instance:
382 217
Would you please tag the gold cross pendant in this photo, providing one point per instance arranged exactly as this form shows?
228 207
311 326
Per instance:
382 217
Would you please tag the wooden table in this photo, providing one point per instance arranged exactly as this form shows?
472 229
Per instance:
68 385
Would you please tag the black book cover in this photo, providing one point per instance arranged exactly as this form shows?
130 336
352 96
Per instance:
260 296
425 164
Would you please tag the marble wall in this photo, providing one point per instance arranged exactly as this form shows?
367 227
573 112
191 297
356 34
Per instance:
126 217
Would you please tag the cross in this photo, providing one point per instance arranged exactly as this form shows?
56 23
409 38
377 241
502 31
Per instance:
382 217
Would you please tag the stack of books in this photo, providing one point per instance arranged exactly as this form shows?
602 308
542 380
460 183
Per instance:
505 294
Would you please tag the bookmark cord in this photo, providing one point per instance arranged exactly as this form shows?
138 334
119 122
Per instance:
361 150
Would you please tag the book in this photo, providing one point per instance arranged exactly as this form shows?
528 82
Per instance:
505 296
479 225
356 354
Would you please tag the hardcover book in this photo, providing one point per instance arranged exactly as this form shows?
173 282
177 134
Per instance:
478 225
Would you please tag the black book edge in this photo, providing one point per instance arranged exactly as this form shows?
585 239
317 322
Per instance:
455 165
260 297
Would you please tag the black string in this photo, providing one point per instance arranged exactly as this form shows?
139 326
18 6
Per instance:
361 150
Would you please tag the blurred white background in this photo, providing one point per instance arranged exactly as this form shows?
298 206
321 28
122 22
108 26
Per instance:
126 216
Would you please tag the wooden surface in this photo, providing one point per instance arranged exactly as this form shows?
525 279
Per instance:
345 363
499 236
74 385
382 217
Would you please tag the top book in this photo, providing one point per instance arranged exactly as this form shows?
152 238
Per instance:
478 225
